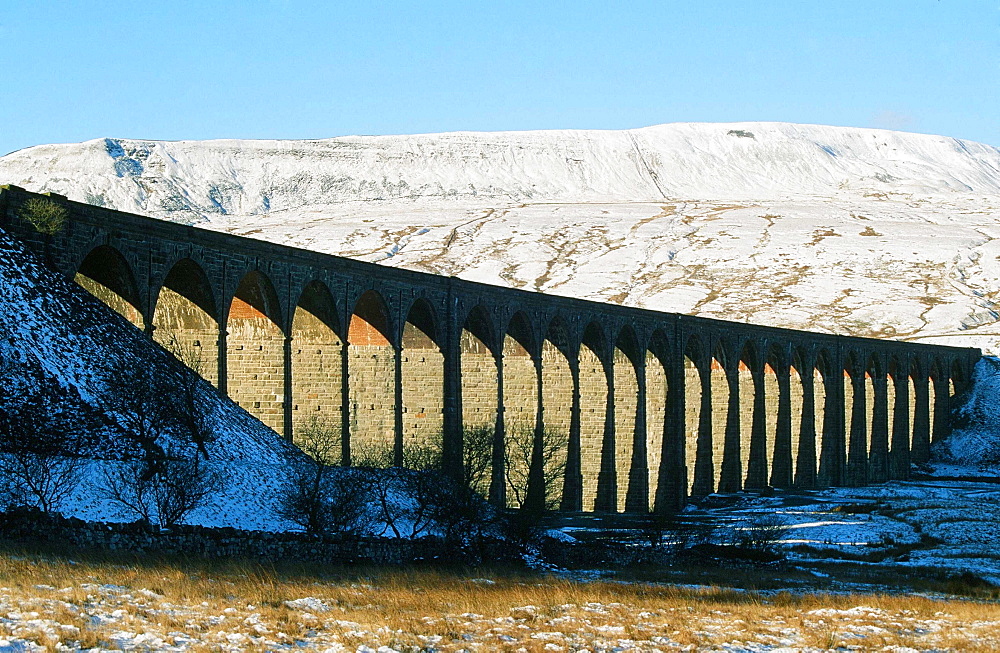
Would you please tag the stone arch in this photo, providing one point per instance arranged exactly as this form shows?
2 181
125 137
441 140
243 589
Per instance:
856 418
627 366
780 426
901 414
807 416
317 362
481 450
372 376
106 274
920 412
255 350
520 404
695 378
422 367
753 457
877 394
557 415
829 442
593 410
657 418
185 318
718 417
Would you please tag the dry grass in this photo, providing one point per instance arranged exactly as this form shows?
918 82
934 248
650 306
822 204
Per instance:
92 600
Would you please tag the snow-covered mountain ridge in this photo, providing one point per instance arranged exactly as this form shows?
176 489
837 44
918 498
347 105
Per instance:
858 231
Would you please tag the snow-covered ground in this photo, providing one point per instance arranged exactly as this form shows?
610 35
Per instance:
844 230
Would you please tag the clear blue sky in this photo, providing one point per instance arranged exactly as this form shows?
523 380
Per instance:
283 69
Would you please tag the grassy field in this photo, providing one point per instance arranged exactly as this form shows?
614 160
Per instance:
52 601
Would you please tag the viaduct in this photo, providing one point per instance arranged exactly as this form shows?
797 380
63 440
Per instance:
538 401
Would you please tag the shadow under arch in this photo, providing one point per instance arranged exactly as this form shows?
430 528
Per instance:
560 420
255 351
480 394
594 400
807 417
316 366
105 274
631 483
697 407
658 434
422 369
374 388
521 424
185 319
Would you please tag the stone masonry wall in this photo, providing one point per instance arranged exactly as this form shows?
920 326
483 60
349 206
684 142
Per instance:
626 395
593 398
255 364
656 406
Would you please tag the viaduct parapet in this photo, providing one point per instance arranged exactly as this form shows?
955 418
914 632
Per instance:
536 400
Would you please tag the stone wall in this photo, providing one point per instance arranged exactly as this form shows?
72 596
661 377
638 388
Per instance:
33 528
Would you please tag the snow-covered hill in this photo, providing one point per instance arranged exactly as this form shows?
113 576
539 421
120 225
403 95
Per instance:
58 349
858 231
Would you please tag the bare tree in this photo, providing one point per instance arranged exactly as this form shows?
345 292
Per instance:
37 479
164 496
519 453
317 494
190 419
144 406
477 455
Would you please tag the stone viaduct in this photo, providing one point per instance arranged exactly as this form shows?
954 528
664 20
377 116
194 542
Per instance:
536 400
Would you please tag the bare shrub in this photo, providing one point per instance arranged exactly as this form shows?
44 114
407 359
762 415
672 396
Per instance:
519 453
40 480
189 419
761 533
477 457
164 496
319 496
47 217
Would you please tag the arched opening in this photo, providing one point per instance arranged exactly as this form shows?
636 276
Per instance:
856 419
802 438
520 401
626 364
719 415
255 351
827 454
423 389
106 274
900 395
692 410
656 409
371 382
557 402
317 366
749 477
185 319
593 407
778 420
479 400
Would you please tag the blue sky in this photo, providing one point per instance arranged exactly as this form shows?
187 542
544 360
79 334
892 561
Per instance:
283 69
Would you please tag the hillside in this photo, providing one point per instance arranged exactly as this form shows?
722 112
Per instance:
58 349
844 230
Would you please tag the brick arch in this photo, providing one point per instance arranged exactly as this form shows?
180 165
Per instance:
592 356
374 386
316 352
370 321
560 428
107 274
629 426
806 382
521 390
255 350
660 441
186 318
423 381
878 420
